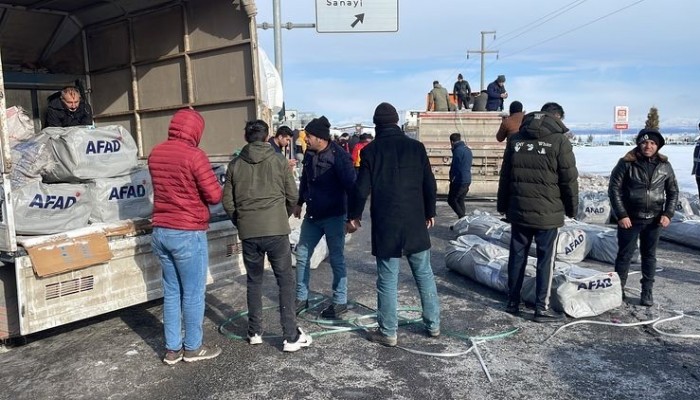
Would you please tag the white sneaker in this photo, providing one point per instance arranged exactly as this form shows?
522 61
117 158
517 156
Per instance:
255 339
303 341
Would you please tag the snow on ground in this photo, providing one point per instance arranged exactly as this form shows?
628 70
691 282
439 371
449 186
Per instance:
601 160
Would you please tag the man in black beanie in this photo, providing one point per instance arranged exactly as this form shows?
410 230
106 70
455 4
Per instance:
402 210
643 193
326 179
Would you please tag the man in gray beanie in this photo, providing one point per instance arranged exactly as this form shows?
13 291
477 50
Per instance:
643 193
327 177
402 210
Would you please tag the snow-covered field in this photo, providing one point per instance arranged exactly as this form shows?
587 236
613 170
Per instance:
600 160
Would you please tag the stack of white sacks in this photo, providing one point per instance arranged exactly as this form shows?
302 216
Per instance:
66 178
481 252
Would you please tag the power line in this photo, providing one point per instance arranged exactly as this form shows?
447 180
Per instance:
576 28
544 19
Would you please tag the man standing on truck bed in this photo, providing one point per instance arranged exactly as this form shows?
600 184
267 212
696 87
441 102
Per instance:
259 195
438 99
462 92
183 185
68 109
496 92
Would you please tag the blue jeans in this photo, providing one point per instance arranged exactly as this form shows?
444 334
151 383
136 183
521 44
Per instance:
387 296
311 232
184 259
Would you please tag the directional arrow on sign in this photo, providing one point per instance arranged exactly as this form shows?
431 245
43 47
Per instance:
358 18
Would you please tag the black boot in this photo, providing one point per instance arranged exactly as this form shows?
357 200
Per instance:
647 300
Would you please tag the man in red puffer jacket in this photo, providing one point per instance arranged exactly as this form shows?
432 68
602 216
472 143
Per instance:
183 187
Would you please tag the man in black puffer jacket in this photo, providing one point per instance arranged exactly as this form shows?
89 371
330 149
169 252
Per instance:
538 185
643 193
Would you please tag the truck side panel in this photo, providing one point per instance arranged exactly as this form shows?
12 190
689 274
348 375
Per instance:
131 277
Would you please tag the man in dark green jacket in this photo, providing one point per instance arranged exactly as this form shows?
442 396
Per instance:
259 194
538 185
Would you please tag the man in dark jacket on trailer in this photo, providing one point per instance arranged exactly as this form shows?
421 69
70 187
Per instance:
538 186
643 193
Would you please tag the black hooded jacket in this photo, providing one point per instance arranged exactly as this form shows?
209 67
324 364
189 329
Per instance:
539 180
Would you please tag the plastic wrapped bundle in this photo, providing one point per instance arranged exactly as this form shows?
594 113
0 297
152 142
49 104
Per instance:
30 158
570 244
50 208
124 197
684 230
579 292
82 153
594 207
482 261
601 242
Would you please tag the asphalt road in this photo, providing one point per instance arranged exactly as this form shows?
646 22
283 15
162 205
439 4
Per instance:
117 356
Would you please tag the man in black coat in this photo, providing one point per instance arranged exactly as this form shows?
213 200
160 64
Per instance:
395 170
68 109
538 185
643 193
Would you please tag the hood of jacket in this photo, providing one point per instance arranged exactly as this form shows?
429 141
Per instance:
186 125
256 152
540 124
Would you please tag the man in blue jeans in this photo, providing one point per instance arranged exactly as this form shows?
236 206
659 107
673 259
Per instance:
183 187
395 170
261 214
327 177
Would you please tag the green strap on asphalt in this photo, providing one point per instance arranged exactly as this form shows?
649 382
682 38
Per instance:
354 324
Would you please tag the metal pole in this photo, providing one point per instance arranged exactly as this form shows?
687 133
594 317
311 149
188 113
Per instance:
276 22
483 52
483 46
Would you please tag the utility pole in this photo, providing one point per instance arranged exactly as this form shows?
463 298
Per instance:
483 51
277 26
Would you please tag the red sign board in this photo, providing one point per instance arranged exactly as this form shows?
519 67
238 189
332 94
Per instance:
621 127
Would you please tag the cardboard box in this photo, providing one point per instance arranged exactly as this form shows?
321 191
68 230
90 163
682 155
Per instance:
69 253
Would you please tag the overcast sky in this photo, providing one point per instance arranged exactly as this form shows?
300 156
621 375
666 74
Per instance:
587 55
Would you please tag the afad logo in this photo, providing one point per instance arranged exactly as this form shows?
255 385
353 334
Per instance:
578 240
595 284
127 192
53 202
103 146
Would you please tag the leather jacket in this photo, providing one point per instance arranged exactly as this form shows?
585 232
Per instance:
635 194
